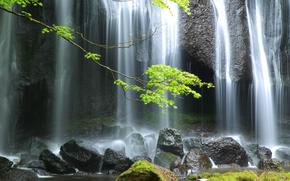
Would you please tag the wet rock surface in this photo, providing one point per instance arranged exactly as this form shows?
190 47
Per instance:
19 175
192 143
170 141
166 159
196 159
5 164
270 165
54 164
225 150
80 157
198 35
116 162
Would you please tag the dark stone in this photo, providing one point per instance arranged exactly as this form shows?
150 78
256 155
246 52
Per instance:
166 159
5 164
137 158
264 153
80 157
37 164
54 164
198 35
170 141
257 153
191 143
225 150
270 165
196 159
283 154
19 175
115 161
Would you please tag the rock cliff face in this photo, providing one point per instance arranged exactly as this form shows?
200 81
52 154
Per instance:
198 32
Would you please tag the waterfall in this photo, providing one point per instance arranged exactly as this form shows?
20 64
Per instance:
263 24
63 71
151 37
226 95
8 70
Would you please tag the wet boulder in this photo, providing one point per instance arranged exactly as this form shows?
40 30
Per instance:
145 171
54 164
192 143
19 175
270 165
196 159
166 159
225 150
5 164
135 145
80 157
260 152
170 141
36 164
115 161
283 154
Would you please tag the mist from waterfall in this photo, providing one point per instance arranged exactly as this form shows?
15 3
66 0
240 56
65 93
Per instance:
8 70
226 100
262 53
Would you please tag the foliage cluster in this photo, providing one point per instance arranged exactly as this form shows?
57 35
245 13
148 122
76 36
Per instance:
164 80
8 4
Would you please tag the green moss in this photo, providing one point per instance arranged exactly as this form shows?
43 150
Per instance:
274 176
242 176
144 171
229 176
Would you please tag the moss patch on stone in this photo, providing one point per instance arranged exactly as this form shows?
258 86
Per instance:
274 176
229 176
242 176
144 171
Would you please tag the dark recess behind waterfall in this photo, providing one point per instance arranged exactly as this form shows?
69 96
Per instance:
93 93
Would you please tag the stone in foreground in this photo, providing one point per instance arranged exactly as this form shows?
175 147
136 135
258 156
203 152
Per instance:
54 164
80 157
145 171
225 150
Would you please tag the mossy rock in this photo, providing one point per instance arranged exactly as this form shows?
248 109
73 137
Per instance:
228 176
145 171
274 176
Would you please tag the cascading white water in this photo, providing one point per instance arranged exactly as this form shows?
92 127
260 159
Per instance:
8 69
225 89
129 22
264 112
63 68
